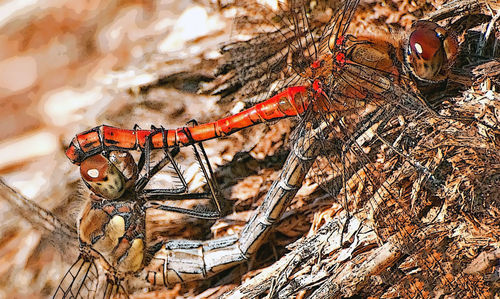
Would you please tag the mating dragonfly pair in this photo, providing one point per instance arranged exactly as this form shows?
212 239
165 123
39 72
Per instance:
350 84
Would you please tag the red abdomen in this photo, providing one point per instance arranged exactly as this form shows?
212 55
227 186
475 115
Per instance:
290 102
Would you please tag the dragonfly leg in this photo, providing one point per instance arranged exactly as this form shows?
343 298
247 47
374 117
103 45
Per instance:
406 157
202 214
182 260
145 160
207 170
175 194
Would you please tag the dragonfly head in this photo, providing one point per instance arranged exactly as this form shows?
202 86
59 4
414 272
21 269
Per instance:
111 175
431 51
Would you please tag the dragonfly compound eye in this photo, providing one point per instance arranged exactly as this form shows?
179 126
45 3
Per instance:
125 163
103 177
431 51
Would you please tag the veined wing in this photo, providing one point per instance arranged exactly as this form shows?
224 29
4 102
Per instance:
80 281
281 49
377 169
38 216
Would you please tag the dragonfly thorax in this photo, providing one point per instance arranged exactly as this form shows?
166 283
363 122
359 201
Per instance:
115 233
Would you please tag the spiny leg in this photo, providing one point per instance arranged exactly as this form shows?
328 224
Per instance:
416 164
144 180
145 159
209 175
166 194
209 215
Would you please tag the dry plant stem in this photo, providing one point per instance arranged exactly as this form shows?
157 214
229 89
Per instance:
456 8
486 35
338 270
326 240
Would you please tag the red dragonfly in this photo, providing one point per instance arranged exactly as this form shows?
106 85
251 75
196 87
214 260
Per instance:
351 84
429 54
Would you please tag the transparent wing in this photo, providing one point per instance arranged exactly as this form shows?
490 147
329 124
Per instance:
113 289
283 44
378 161
80 281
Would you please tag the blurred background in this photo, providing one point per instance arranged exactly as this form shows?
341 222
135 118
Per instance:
67 66
58 61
